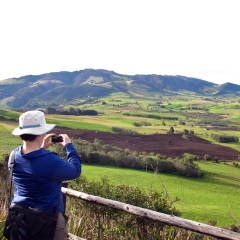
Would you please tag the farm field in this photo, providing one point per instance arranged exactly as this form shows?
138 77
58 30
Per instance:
157 143
212 198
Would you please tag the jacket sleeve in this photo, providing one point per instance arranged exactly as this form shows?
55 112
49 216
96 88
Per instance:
67 170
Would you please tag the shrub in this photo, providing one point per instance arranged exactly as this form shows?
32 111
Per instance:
207 157
105 154
224 139
189 170
124 131
187 137
171 130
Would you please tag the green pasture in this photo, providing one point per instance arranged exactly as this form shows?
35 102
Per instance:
207 135
7 141
212 198
105 122
231 111
9 114
78 122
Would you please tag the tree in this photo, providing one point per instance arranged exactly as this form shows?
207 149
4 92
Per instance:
50 110
207 157
185 131
171 130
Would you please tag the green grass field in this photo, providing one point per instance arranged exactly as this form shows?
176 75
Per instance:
214 197
7 141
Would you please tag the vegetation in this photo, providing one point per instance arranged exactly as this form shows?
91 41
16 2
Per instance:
107 223
123 131
141 124
151 116
71 111
224 139
212 199
104 154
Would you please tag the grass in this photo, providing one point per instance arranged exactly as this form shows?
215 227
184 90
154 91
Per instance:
212 198
215 197
7 141
78 122
9 114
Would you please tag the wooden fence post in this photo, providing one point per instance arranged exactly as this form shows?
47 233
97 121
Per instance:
157 216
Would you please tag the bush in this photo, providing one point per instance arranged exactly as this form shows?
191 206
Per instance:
224 139
207 157
124 131
187 137
189 170
171 130
105 154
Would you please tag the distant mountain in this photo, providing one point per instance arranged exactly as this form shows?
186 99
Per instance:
227 88
34 91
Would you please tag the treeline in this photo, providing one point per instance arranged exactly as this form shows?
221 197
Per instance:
150 116
224 139
105 154
71 111
123 131
204 118
140 124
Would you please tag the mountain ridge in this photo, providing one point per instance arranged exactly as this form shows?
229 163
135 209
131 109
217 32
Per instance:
30 90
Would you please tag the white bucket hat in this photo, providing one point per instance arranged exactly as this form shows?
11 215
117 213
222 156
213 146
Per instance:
32 122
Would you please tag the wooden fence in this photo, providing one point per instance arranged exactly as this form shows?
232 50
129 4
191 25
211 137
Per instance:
157 216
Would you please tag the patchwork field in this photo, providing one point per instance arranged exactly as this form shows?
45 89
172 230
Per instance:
157 143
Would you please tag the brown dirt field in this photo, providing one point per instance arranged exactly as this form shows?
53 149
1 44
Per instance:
156 143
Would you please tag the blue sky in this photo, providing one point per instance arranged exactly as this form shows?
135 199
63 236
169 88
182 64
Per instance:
191 38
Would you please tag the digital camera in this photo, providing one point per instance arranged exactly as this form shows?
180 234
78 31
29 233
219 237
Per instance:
57 138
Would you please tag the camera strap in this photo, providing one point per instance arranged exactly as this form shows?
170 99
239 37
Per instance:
10 176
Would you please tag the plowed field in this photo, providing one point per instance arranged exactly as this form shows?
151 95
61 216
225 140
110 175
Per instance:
157 143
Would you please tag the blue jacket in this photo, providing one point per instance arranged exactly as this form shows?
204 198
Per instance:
38 177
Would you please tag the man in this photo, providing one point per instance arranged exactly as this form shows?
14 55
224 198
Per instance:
38 173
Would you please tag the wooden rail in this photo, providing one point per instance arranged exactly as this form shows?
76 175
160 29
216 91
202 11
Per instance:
157 216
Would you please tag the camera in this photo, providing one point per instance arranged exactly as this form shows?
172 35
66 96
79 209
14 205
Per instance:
57 138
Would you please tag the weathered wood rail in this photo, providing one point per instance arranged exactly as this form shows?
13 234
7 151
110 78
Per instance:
157 216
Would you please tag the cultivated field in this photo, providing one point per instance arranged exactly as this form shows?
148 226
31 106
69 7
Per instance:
212 198
157 143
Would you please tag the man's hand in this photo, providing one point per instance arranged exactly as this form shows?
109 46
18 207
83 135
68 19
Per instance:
65 139
47 141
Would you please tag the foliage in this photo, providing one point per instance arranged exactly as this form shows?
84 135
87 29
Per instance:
207 157
114 223
140 124
123 131
150 116
105 154
224 138
171 130
71 111
99 222
153 200
187 137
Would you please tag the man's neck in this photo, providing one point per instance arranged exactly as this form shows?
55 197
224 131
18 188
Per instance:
32 146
